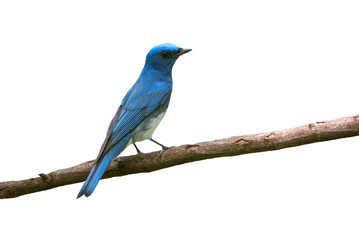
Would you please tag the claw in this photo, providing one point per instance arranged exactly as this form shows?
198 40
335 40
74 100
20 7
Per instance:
164 148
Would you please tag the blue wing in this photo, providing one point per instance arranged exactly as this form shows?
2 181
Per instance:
132 112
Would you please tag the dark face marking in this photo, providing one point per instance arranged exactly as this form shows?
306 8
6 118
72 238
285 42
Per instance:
165 54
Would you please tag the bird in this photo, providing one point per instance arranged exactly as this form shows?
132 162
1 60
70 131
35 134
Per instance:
140 112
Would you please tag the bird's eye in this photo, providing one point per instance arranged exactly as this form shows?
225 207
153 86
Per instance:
164 54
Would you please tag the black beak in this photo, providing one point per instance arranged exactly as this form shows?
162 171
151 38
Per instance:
183 51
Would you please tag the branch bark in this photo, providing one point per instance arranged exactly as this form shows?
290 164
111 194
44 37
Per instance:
310 133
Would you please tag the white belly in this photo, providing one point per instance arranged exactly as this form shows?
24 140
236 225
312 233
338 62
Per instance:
146 128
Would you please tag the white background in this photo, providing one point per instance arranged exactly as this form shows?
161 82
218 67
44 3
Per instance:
256 66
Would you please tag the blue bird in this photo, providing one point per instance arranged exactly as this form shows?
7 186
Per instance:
141 111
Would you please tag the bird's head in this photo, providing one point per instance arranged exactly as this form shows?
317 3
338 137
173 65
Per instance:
163 56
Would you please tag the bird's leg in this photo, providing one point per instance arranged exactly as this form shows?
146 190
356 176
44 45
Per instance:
138 153
138 150
163 147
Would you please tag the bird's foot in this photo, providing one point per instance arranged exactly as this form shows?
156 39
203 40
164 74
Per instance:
138 157
164 148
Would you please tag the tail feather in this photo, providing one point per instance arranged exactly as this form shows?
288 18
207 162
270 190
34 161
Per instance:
94 177
100 167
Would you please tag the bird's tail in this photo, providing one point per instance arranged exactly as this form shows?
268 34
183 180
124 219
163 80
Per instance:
95 175
101 165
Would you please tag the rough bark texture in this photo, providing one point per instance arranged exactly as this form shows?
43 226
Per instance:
311 133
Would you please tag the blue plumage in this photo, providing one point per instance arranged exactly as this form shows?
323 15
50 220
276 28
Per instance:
141 110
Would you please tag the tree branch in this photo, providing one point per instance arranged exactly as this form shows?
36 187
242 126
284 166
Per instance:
311 133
